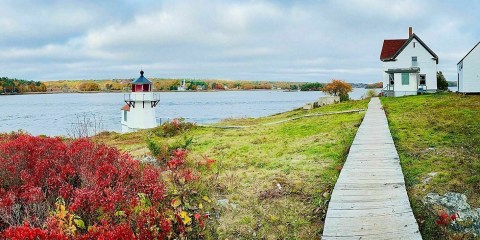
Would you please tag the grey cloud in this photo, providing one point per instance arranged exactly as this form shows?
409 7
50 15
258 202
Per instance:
257 40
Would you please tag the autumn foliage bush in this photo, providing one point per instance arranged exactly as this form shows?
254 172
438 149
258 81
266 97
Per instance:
89 86
56 189
338 88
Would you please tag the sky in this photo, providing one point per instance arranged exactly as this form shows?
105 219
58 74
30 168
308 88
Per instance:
313 41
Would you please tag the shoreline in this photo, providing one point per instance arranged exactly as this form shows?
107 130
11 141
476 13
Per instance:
88 92
230 90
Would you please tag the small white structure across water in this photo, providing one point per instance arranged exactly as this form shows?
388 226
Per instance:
139 110
182 86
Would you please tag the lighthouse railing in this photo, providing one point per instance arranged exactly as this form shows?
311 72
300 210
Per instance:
141 97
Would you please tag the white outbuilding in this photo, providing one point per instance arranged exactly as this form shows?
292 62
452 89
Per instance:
409 66
468 71
139 110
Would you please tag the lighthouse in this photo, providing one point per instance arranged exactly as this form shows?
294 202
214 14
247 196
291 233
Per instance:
139 110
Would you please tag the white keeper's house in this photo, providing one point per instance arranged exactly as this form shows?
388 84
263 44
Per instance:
468 70
409 66
139 110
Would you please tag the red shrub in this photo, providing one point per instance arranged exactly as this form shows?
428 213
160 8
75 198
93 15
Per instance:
27 232
79 189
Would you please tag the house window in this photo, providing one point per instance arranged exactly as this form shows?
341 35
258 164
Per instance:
423 79
414 61
405 79
391 78
125 116
414 44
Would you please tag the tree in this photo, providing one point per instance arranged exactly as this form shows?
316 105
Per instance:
247 86
311 87
42 88
218 86
338 88
89 86
442 83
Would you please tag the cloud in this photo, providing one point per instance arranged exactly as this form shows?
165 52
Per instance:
258 40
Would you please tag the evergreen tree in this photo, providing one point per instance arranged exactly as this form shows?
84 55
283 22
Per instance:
442 83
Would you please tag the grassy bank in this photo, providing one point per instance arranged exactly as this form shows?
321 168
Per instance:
437 135
277 178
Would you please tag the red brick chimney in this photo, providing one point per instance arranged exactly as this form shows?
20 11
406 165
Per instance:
410 32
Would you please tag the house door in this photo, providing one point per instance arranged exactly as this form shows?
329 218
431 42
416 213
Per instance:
423 80
391 81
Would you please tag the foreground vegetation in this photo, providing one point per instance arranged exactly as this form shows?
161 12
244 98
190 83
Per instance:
75 189
270 181
438 140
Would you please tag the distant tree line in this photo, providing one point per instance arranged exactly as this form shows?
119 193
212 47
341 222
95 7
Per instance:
160 84
374 85
13 85
452 83
311 87
88 85
203 85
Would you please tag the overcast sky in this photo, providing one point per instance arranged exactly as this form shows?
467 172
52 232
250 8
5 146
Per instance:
240 40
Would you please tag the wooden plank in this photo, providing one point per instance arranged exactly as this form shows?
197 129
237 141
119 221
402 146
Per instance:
366 205
369 200
394 212
373 224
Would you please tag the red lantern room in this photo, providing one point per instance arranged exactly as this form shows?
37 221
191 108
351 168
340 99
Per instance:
142 84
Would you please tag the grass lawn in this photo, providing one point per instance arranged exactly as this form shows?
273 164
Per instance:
277 178
439 134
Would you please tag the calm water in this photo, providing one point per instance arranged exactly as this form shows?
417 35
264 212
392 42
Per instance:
53 114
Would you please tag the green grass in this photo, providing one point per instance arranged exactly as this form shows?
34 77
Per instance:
437 133
278 176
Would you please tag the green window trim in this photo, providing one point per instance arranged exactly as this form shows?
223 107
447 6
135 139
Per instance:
405 79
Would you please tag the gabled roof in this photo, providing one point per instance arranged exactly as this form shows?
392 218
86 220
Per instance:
468 53
142 79
392 46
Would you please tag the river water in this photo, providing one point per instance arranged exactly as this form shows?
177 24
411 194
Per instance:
53 114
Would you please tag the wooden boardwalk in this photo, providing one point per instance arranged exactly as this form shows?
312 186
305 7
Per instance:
369 200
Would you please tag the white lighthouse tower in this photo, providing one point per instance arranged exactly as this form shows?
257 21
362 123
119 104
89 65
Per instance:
139 110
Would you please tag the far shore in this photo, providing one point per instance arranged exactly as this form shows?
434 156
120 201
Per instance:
229 90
